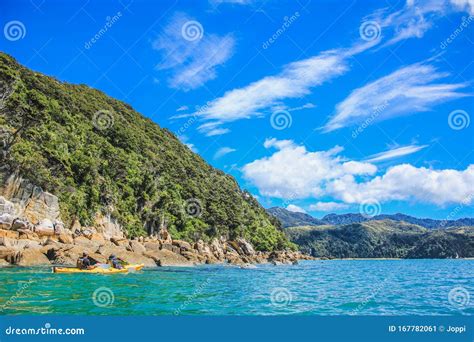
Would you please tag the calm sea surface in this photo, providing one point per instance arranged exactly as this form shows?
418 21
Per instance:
333 287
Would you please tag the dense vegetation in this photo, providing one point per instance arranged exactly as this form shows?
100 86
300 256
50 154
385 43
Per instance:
383 239
99 155
291 219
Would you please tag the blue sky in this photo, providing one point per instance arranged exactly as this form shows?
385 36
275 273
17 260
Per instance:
321 106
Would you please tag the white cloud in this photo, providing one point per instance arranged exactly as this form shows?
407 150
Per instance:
328 206
223 151
192 62
257 197
182 108
279 144
358 168
414 20
292 172
411 89
185 140
395 153
192 147
408 183
298 78
295 209
416 17
295 80
464 5
213 131
308 105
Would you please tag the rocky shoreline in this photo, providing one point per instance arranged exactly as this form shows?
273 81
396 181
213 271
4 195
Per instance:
33 234
41 247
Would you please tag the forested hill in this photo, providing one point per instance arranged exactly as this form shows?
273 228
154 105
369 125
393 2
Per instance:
383 239
99 155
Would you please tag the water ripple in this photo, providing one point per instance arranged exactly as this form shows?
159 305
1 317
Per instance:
333 287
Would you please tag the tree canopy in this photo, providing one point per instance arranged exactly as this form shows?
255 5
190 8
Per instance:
99 155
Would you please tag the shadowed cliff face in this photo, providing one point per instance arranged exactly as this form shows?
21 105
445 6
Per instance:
99 156
21 198
23 201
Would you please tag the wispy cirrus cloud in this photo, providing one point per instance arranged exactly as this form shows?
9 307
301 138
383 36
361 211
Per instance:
415 18
223 151
408 90
189 53
192 147
182 108
300 77
395 153
295 80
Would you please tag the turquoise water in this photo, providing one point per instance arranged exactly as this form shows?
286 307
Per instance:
332 287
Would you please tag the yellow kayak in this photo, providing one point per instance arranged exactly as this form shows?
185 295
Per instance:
99 270
132 268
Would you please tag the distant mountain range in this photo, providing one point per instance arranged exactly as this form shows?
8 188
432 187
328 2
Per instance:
293 219
383 239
